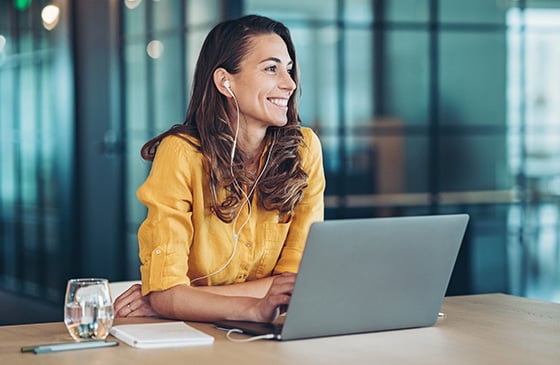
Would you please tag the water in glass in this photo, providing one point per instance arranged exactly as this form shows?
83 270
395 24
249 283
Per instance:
88 313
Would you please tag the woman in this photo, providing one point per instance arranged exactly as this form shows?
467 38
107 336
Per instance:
233 190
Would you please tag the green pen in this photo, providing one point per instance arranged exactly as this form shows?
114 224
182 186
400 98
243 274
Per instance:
57 347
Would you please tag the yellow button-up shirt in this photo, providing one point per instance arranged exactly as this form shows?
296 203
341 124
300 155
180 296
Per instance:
181 241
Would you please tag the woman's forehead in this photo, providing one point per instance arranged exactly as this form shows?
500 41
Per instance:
267 46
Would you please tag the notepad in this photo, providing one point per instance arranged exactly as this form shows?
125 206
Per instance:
161 335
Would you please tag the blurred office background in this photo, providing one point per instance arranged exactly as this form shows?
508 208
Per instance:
423 107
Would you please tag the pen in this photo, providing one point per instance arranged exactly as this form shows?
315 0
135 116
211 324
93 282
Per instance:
43 349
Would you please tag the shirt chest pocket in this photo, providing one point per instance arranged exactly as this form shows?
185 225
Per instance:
274 236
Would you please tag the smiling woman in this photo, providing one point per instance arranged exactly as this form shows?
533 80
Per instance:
273 77
233 190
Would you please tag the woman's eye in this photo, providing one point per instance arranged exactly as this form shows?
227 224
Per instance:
271 68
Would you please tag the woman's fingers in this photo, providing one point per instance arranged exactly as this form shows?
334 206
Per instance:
279 295
141 308
282 285
131 303
122 301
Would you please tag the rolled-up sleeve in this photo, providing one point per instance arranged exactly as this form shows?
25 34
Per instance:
165 236
310 209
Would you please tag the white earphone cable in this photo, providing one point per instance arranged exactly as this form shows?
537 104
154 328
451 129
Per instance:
245 195
247 339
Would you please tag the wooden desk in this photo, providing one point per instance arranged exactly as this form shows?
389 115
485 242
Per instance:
479 329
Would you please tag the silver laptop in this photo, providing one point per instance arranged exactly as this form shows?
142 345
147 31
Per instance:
365 275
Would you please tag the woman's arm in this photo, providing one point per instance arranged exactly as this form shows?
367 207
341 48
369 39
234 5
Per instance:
131 303
184 302
254 288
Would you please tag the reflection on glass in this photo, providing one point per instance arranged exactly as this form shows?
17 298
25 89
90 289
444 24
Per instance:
155 49
131 4
2 43
407 10
474 11
88 309
50 16
533 109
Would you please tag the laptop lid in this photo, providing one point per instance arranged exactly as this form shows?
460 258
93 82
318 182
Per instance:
372 274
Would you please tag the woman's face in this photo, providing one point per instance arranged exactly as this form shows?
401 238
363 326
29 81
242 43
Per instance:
264 84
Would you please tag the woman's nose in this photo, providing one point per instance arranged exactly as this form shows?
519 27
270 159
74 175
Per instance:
287 83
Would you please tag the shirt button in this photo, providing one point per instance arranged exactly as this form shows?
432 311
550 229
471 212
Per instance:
248 244
158 251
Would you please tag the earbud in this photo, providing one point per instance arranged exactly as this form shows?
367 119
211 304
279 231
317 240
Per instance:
227 85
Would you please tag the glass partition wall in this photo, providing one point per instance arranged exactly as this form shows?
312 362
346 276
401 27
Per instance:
422 106
37 188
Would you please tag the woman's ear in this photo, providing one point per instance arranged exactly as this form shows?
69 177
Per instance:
222 82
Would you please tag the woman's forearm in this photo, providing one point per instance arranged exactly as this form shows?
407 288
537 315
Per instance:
192 304
254 288
236 302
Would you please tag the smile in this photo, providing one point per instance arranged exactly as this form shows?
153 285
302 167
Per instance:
280 102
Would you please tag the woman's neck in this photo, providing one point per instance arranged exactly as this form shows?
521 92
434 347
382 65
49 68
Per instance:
253 145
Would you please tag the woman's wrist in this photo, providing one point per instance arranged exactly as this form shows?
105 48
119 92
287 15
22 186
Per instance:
245 309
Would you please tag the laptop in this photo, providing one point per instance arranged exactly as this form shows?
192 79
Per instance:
367 275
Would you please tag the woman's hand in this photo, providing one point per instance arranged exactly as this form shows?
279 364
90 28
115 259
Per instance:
276 299
132 303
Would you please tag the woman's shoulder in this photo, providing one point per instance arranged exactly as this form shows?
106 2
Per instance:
180 143
177 149
308 132
310 139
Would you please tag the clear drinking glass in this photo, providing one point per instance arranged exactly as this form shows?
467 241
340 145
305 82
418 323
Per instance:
88 312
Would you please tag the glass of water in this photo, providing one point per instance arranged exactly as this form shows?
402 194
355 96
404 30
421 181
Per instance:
88 312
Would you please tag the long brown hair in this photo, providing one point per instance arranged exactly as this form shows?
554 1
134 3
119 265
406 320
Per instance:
281 186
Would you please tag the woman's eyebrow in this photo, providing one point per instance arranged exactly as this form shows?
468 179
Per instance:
276 60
